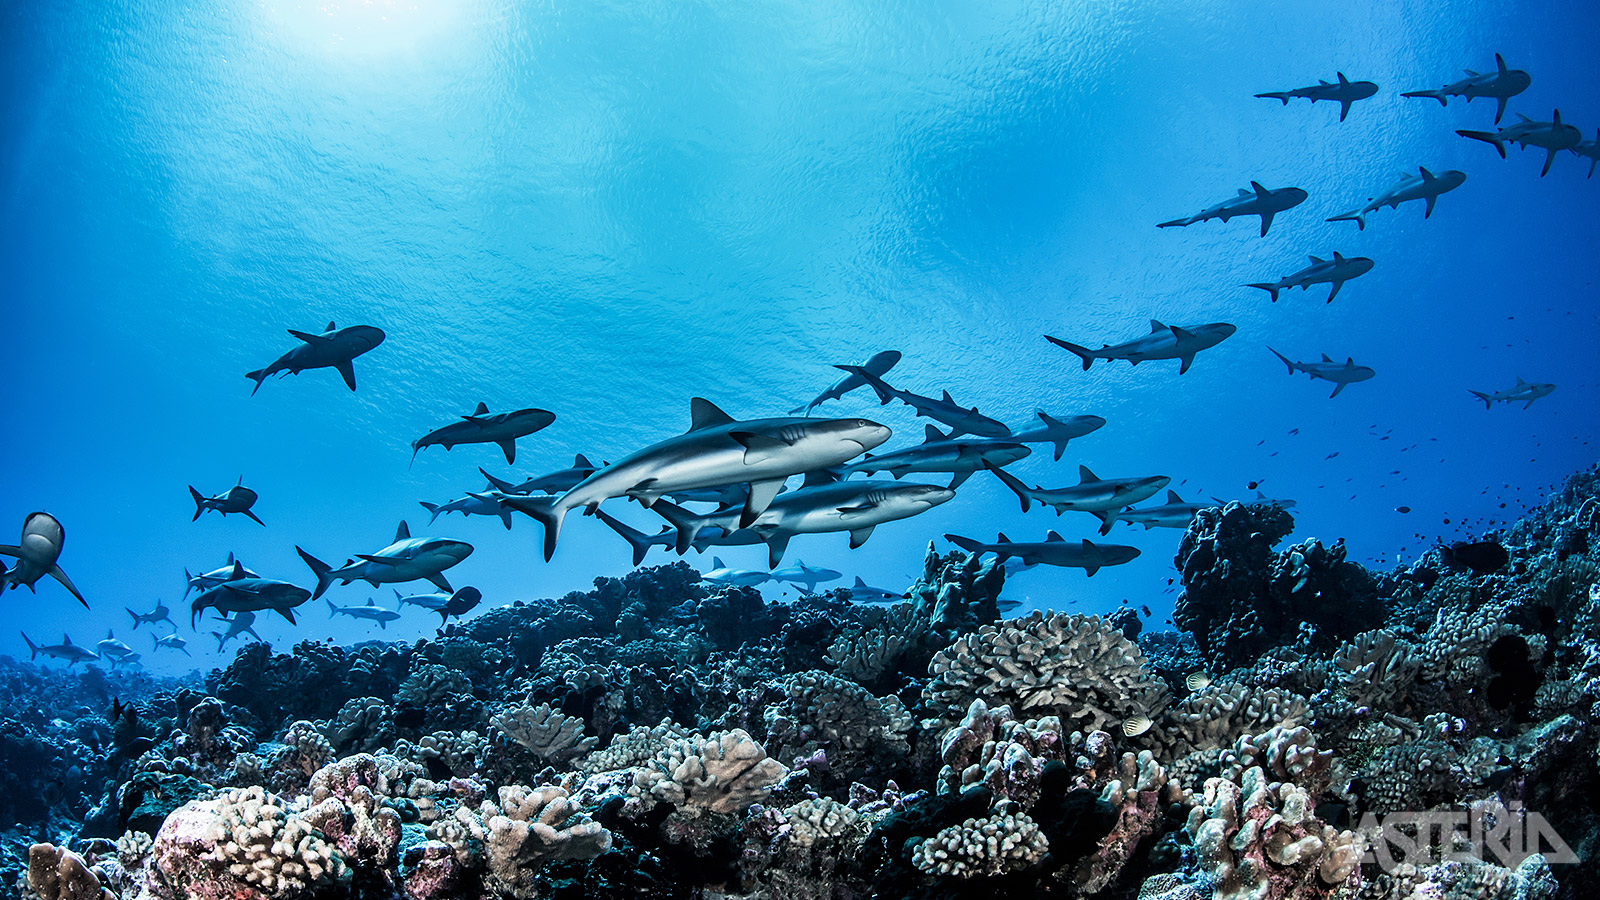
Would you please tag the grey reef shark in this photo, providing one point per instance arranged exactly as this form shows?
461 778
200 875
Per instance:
485 503
483 428
549 483
1552 137
407 559
725 574
1334 271
1054 550
939 452
334 348
1424 186
717 450
861 592
37 554
961 419
159 614
1258 201
237 499
1175 513
66 650
805 577
878 365
1502 84
1589 150
1058 431
1524 393
690 527
641 543
243 593
1343 92
241 623
1092 494
208 580
372 612
1163 342
1341 374
173 642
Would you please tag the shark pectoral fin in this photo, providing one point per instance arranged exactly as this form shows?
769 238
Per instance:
1266 222
254 518
1337 388
1344 109
1499 111
509 447
347 369
777 545
960 478
1337 283
1428 209
758 448
11 550
1549 157
858 536
66 582
287 614
1186 362
761 494
441 582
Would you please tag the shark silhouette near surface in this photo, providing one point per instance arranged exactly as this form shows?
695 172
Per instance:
1502 84
1343 92
1258 201
334 348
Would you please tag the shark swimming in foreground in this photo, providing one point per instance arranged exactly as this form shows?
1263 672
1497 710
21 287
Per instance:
1334 271
334 348
172 641
1092 494
1341 374
857 507
66 650
482 428
407 559
716 450
878 365
1502 84
1258 201
1424 186
1058 431
1054 550
372 612
241 593
237 499
1550 136
1524 393
36 553
113 649
861 592
1163 342
1344 93
961 419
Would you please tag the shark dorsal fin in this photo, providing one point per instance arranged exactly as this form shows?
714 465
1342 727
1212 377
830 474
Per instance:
332 326
1423 171
1045 417
309 337
859 583
1173 499
109 635
66 639
932 433
1243 192
1557 120
238 571
1520 382
1000 538
717 562
1323 81
1499 63
1085 476
1155 326
1260 191
1088 546
403 532
1349 362
705 414
482 410
230 557
1327 358
1054 538
1181 334
371 602
580 461
1337 257
1342 79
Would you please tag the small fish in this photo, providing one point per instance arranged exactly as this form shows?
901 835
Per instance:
1402 509
1136 725
1197 681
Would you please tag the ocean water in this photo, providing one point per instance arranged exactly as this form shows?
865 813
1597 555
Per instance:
605 209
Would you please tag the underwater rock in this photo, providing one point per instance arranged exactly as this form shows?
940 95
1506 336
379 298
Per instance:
958 591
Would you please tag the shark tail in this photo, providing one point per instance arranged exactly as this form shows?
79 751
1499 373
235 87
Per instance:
972 546
1010 481
547 511
638 540
1269 288
687 523
155 642
33 649
1488 137
199 503
1083 353
318 568
1286 360
1360 218
1434 95
1276 95
331 608
257 376
1482 396
1176 223
432 508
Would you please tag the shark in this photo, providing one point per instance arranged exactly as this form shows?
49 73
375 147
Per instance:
407 559
723 495
1524 393
434 602
640 542
1163 342
1258 201
244 593
961 419
1344 92
857 507
689 525
371 612
237 499
1502 84
807 577
1054 550
159 614
66 650
1341 374
1058 431
111 648
1552 137
1259 498
173 642
1334 271
334 348
482 428
1589 150
1424 186
939 452
878 365
549 483
1175 513
37 553
241 623
1092 494
861 592
211 579
486 503
716 450
722 574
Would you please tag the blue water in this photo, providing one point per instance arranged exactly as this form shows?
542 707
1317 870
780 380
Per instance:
605 209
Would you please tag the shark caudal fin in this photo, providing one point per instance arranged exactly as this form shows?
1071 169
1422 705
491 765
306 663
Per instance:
432 508
1433 95
199 503
638 540
257 376
1083 353
33 649
1276 95
547 511
1488 137
688 524
136 620
1010 481
1269 288
972 546
1286 361
1488 401
1357 216
331 608
318 568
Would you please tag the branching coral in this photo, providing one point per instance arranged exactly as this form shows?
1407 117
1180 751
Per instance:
553 738
244 843
723 773
996 845
527 829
